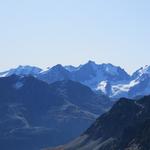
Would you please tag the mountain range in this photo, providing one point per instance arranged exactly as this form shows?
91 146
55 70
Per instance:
42 108
108 79
125 127
35 114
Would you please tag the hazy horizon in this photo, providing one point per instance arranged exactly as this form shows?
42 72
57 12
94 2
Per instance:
46 33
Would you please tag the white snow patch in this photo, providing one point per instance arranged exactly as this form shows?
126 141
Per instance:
123 89
102 86
4 74
18 85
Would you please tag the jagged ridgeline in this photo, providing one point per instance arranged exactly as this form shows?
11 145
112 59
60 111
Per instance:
125 127
111 80
42 108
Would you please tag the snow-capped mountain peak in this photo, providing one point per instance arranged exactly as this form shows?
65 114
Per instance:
71 68
112 80
145 70
55 69
142 71
22 70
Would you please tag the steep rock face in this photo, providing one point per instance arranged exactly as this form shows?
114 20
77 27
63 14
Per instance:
125 127
34 114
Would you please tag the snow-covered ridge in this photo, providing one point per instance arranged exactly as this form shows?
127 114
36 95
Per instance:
142 71
72 68
112 80
22 71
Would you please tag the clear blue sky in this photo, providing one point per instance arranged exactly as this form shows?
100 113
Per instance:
47 32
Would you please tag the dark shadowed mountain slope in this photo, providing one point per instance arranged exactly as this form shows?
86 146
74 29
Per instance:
34 114
82 96
125 127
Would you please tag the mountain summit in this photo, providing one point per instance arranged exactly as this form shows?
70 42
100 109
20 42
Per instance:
22 71
111 80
